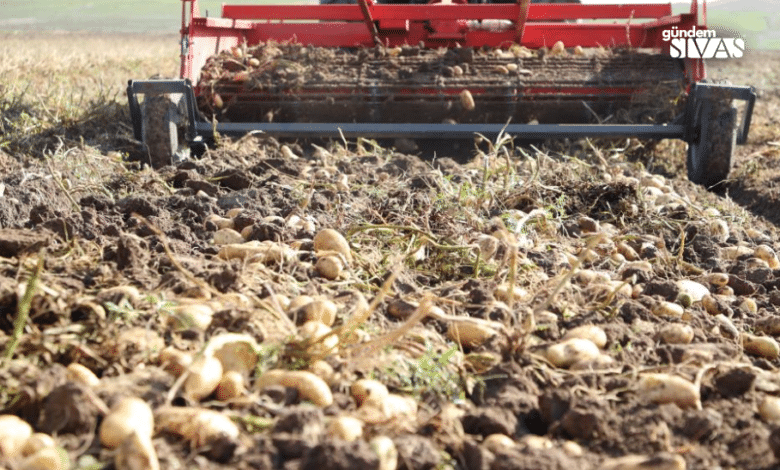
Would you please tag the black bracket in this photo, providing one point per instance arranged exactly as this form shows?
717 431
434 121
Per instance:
701 93
157 87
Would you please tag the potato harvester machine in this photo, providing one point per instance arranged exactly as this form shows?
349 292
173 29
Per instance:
443 70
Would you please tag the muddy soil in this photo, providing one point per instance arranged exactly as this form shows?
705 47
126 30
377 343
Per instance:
580 234
290 82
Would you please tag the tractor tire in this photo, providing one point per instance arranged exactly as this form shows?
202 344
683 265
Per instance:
709 159
162 124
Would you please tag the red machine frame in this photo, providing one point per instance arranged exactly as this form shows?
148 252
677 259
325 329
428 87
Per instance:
434 25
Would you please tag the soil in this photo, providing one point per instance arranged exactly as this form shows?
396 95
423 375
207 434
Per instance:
119 253
290 82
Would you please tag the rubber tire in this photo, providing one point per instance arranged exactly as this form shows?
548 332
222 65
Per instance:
709 160
160 129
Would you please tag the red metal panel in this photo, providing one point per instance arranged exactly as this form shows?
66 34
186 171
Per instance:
536 12
536 35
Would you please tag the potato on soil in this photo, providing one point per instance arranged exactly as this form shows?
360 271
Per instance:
136 453
496 442
571 351
198 426
52 458
593 333
386 451
191 316
79 373
641 462
315 330
320 309
14 433
231 386
675 333
345 428
37 442
235 351
364 390
331 240
129 415
762 346
471 333
665 388
330 267
309 386
205 372
227 236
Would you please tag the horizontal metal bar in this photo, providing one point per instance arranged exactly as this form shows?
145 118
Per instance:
332 34
536 12
446 131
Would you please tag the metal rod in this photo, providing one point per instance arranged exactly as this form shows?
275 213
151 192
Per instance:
446 131
365 7
521 19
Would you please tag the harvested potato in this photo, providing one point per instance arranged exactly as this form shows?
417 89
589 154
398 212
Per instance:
309 386
665 388
572 351
129 415
345 428
331 240
14 433
472 332
198 426
593 333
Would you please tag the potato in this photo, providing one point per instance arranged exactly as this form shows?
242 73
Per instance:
386 451
330 267
364 390
695 290
719 229
769 409
136 453
390 408
502 293
129 415
205 372
345 428
309 386
198 426
331 240
557 49
572 351
235 351
227 236
767 254
665 388
641 462
675 333
578 50
37 442
230 386
51 458
175 361
81 374
470 333
668 309
314 330
266 252
762 346
467 101
194 315
496 442
14 433
591 332
321 310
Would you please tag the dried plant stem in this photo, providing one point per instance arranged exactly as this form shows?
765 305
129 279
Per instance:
23 308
